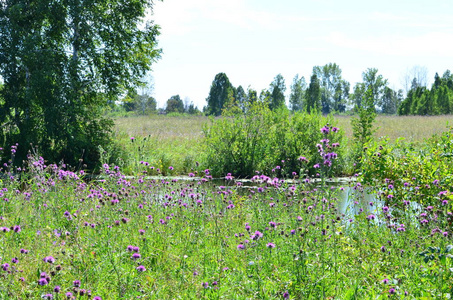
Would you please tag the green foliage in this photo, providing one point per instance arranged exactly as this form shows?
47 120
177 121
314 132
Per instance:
419 171
174 104
154 238
313 95
362 126
263 139
296 98
241 98
277 92
334 90
141 104
375 84
219 94
61 63
391 101
422 101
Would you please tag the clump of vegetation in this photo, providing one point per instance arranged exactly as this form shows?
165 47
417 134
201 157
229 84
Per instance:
271 142
123 238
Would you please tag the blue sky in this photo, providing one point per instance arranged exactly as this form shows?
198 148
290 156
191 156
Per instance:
254 40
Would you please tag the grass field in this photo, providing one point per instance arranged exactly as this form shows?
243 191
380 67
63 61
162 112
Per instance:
412 128
177 141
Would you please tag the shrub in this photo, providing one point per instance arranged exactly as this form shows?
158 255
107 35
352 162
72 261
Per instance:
266 141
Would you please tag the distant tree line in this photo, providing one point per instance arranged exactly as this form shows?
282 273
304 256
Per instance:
327 92
144 104
423 101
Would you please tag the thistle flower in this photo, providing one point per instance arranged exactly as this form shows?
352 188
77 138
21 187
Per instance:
141 268
256 236
270 245
136 256
325 129
49 259
5 266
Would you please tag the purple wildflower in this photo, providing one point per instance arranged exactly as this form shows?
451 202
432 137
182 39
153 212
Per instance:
325 130
5 266
141 268
257 235
49 259
270 245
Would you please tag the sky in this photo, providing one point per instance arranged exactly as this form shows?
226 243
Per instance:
252 41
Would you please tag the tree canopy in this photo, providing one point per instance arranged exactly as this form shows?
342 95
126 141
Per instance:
334 90
296 98
61 63
219 93
277 92
175 104
424 101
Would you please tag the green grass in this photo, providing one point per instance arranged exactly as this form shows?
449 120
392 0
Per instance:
177 141
414 128
162 141
198 240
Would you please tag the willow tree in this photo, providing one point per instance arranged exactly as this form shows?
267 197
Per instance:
61 63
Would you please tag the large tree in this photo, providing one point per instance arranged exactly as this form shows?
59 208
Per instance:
313 94
296 98
334 90
219 94
391 100
376 84
61 62
241 98
175 104
277 91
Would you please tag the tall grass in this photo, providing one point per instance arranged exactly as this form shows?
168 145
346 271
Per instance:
178 141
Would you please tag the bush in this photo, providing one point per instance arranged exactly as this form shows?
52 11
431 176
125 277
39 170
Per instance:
267 141
423 172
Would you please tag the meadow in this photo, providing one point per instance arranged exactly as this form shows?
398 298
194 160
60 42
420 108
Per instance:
189 128
121 237
177 140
